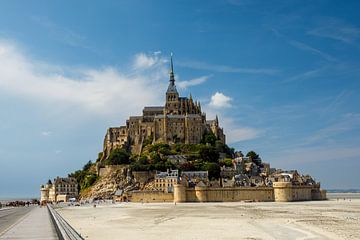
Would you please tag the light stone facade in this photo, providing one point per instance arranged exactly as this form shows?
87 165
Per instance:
62 189
180 120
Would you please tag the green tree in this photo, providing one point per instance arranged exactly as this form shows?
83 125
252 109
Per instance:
209 154
88 181
87 166
118 156
209 138
254 157
213 170
154 157
187 166
227 162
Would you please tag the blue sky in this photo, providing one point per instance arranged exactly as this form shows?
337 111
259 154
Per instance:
283 76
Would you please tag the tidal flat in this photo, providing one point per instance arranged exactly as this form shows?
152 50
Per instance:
336 218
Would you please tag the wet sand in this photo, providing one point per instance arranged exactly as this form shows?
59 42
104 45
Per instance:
333 219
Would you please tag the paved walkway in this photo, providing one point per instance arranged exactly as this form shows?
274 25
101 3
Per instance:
35 225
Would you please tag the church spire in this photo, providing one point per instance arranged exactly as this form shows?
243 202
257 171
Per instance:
172 78
172 87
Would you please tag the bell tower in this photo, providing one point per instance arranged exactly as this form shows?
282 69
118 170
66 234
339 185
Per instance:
172 96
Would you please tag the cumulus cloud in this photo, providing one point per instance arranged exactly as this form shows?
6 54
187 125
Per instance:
104 90
192 82
219 100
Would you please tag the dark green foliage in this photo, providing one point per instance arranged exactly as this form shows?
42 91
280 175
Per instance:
87 166
213 169
88 181
198 164
188 166
159 147
154 157
209 138
85 178
254 157
209 154
223 148
118 156
148 140
226 162
100 155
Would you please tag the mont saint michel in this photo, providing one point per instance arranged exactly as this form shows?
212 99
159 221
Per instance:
172 153
174 120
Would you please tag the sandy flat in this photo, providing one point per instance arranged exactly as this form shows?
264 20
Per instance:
333 219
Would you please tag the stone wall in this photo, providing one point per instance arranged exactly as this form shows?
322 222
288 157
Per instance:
143 176
280 192
108 169
286 192
206 194
151 196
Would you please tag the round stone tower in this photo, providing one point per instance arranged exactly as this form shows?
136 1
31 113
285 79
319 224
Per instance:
179 193
283 191
201 193
44 194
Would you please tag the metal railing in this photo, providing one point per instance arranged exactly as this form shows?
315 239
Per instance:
62 227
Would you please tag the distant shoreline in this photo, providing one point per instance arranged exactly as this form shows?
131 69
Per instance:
5 200
343 190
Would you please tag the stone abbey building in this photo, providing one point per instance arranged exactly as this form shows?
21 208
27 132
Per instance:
180 120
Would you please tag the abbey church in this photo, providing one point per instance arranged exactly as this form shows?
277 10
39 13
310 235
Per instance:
180 120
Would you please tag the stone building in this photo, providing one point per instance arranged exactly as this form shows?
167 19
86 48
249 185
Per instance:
180 120
165 181
192 178
62 189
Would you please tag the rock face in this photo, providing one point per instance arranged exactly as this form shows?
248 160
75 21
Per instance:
106 186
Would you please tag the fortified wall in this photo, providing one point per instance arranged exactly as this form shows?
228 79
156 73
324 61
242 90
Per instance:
286 192
280 192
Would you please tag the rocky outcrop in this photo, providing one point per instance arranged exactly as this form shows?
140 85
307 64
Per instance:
106 186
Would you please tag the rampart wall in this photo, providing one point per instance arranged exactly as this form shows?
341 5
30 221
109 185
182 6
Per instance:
280 192
151 196
206 194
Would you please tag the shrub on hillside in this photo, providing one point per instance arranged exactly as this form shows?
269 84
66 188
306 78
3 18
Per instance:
118 156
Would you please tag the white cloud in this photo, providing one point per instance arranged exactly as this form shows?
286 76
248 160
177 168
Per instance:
58 151
145 61
192 82
219 100
99 91
46 133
